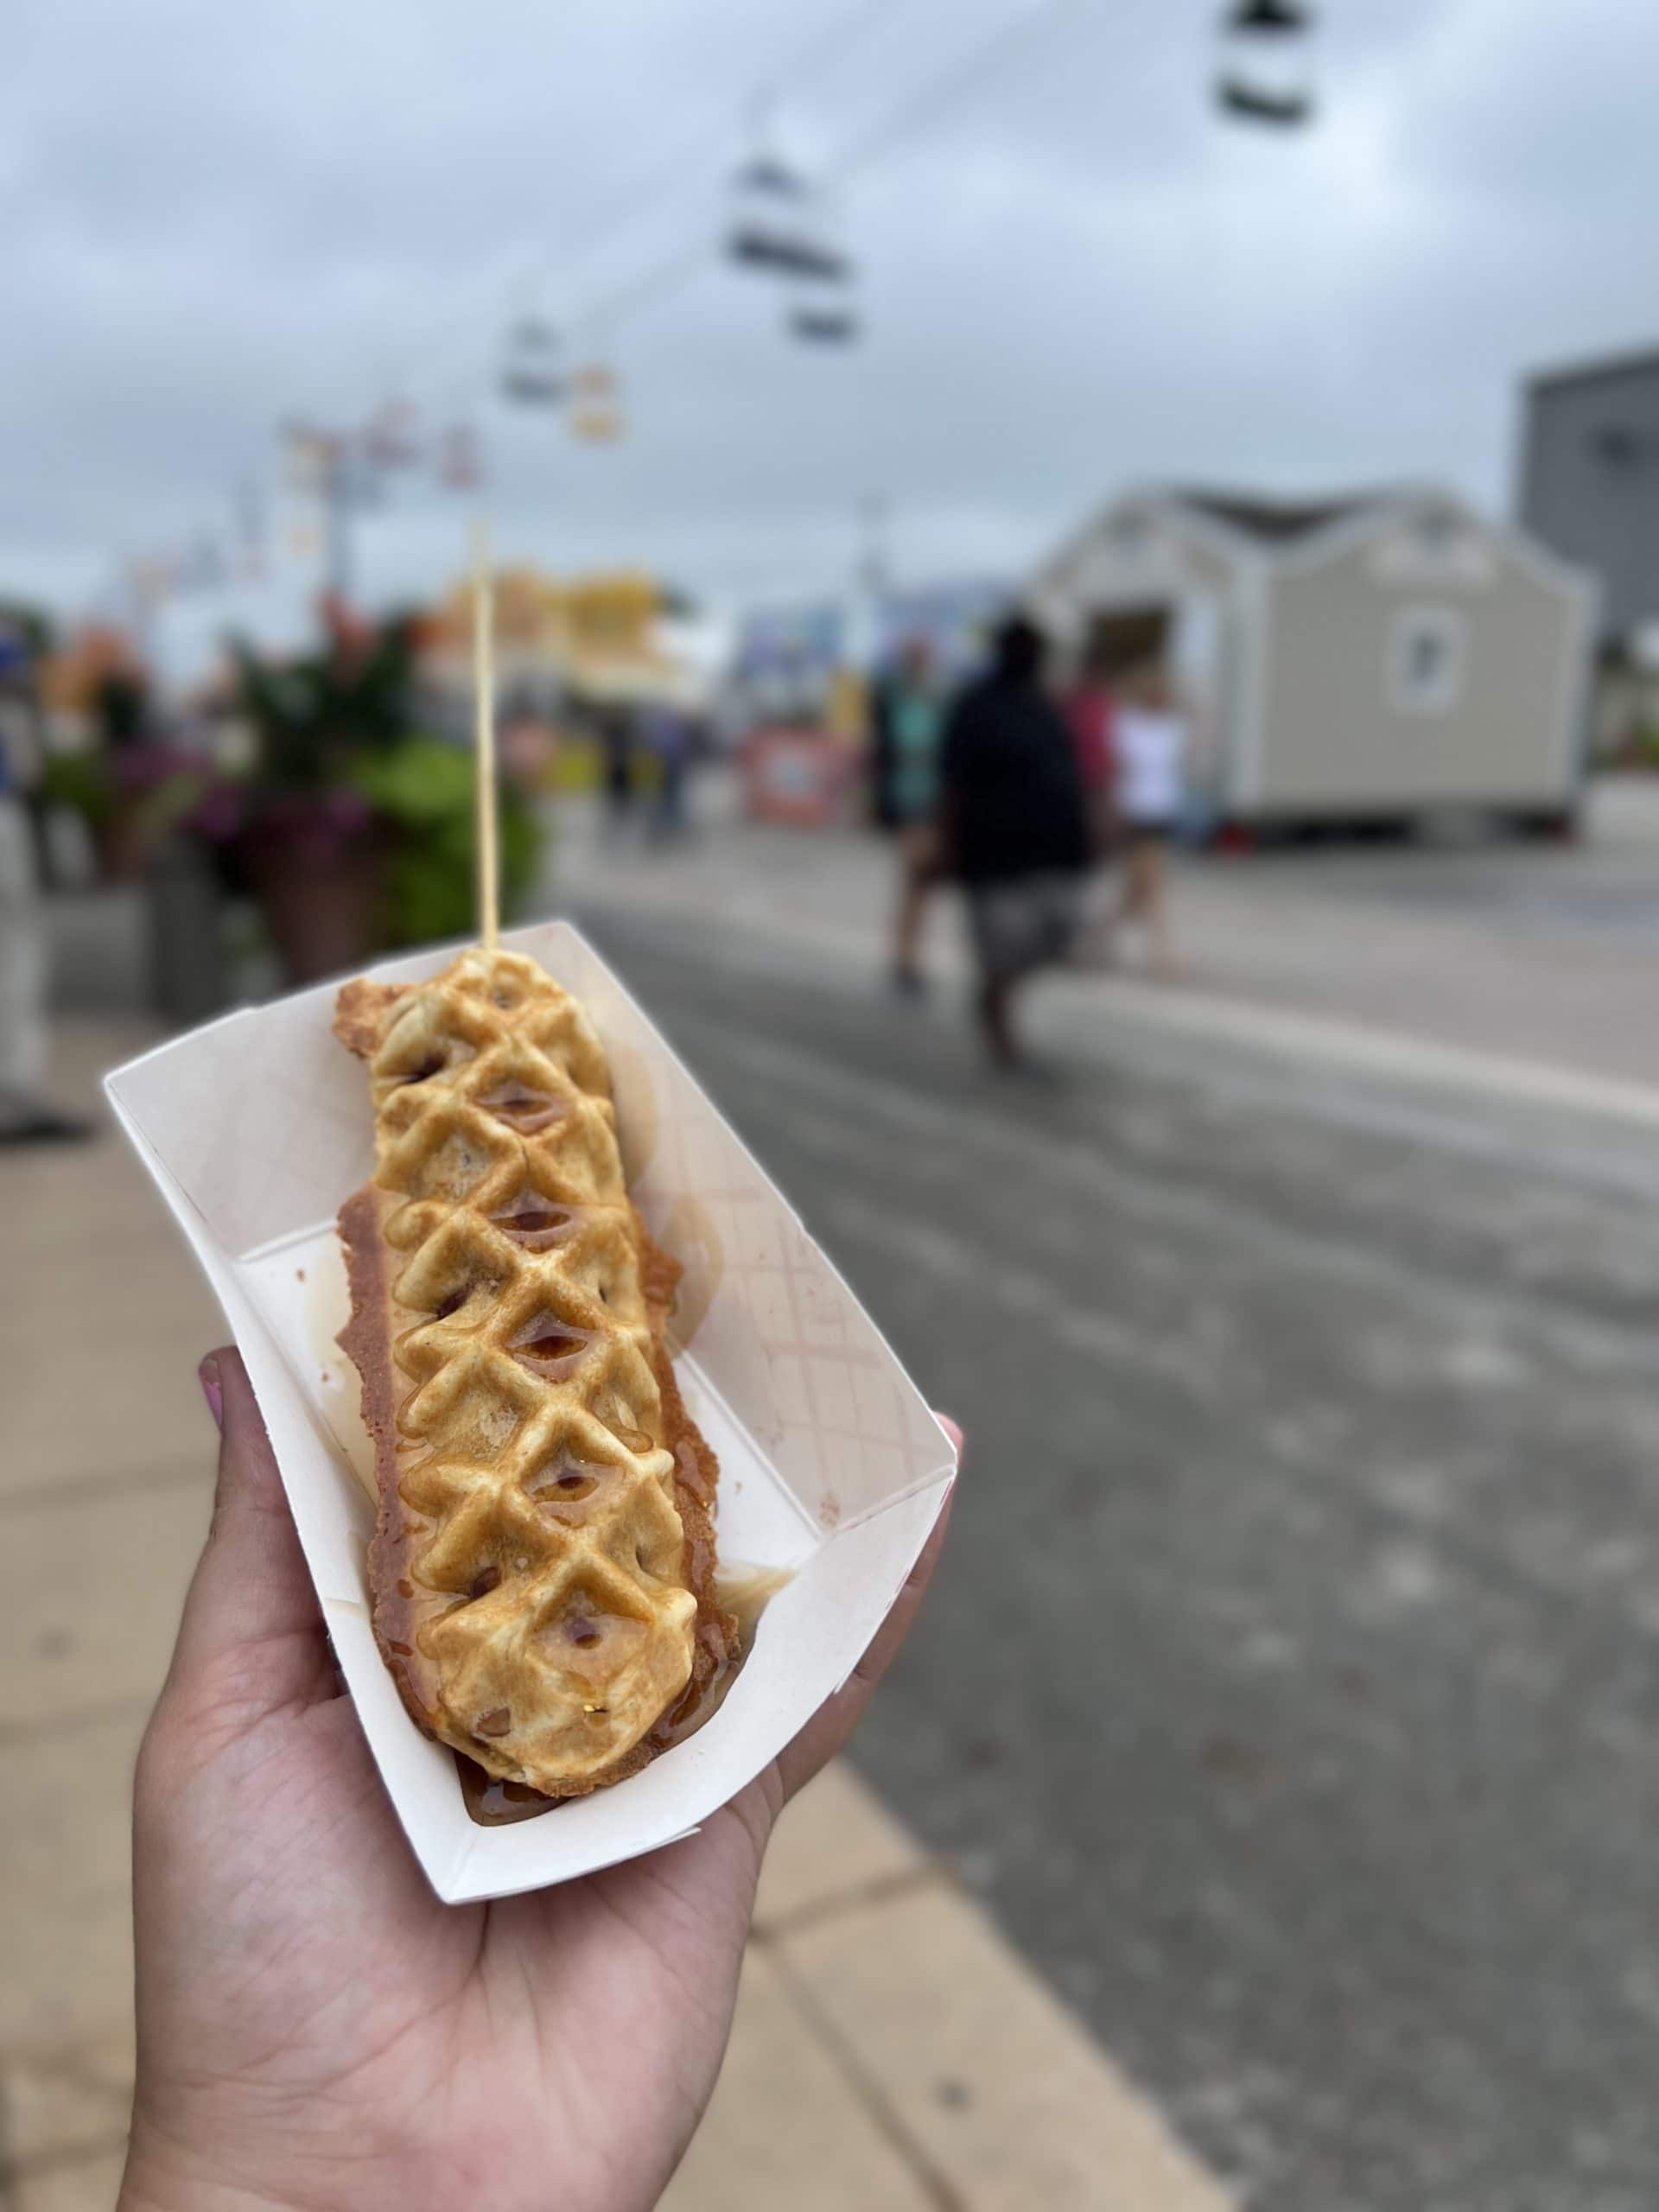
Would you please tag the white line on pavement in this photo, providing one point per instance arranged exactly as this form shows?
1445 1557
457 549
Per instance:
1183 1011
1605 1344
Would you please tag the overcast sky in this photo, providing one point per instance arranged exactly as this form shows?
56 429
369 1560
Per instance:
1074 273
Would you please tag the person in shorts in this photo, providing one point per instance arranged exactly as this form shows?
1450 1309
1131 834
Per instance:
1149 753
1014 824
908 722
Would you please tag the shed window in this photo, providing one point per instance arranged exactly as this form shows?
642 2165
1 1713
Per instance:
1426 658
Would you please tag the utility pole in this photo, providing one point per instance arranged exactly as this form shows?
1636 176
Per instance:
330 464
875 514
339 497
871 581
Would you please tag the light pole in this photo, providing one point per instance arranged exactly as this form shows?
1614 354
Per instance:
338 496
333 465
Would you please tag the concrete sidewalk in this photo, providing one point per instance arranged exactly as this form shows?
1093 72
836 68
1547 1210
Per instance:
891 2050
1537 956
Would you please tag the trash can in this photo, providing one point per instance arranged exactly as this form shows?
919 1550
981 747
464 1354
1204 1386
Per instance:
189 975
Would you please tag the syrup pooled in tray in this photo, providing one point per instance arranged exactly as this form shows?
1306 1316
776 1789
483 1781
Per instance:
744 1592
493 1803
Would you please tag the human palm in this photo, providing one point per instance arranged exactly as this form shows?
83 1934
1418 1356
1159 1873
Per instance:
315 2028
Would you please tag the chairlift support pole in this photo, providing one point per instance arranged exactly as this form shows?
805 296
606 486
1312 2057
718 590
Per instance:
338 492
338 499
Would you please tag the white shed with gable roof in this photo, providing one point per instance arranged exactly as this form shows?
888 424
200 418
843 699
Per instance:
1364 658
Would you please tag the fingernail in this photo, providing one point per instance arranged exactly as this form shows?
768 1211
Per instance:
207 1375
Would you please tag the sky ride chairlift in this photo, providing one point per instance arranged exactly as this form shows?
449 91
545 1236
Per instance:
779 229
1265 75
596 417
532 375
776 229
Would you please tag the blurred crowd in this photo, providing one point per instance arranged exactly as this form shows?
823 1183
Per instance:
330 793
1025 796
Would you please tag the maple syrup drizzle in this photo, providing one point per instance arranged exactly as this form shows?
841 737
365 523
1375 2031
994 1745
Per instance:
522 1107
554 1348
566 1481
744 1594
493 1803
534 1222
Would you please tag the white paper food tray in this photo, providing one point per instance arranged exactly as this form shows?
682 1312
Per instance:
256 1128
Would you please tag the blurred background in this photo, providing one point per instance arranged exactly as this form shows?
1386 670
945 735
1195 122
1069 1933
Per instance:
1262 1815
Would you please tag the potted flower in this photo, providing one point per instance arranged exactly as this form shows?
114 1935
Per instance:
130 799
352 830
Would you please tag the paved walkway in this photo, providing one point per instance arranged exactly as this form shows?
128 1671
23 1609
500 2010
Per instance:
891 2051
1537 956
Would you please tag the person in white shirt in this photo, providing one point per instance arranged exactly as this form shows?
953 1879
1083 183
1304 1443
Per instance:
1149 749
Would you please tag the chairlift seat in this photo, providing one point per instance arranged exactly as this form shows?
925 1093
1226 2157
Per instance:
778 228
1240 98
530 375
1275 16
825 326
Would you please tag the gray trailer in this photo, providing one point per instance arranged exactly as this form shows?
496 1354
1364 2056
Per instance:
1370 658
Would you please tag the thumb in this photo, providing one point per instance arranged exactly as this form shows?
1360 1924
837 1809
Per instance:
252 1638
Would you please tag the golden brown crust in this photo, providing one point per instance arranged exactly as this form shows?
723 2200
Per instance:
366 1342
360 1013
696 1474
373 1267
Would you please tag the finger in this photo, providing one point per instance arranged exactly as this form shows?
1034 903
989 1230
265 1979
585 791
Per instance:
251 1629
834 1721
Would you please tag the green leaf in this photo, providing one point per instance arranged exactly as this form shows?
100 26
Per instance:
422 790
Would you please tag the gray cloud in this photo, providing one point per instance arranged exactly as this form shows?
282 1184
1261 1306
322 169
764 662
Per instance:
1074 275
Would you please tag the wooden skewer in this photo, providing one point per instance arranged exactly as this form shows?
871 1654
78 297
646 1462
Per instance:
489 897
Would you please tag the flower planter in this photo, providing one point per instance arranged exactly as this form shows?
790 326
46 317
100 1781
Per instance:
320 909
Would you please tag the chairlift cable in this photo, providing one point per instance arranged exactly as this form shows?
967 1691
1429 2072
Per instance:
902 124
891 134
611 218
827 44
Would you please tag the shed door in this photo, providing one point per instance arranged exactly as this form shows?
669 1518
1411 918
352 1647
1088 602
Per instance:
1124 636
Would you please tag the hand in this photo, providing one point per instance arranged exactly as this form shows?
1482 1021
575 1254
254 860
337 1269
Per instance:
314 2029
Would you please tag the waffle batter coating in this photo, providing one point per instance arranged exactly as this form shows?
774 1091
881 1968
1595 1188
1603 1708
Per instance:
541 1566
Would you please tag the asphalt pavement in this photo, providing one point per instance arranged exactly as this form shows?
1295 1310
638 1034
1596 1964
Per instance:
1289 1691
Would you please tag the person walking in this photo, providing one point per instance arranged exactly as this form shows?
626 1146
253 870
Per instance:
666 735
616 748
1091 712
908 719
1014 824
1150 749
27 1116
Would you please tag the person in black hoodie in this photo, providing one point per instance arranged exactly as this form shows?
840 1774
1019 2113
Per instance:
1014 820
